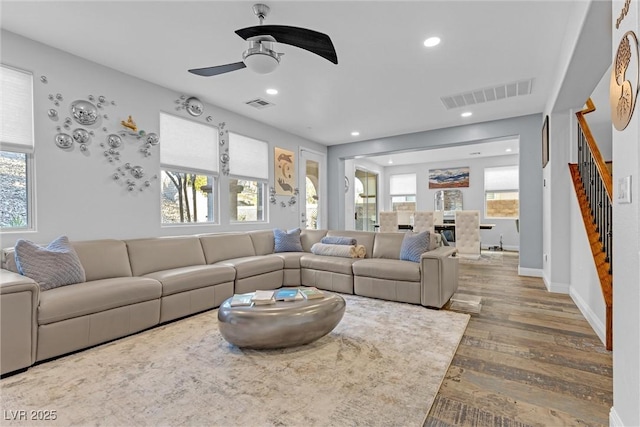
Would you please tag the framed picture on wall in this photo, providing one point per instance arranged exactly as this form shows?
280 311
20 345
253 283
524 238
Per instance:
545 142
285 180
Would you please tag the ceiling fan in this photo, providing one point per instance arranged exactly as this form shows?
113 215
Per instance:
260 57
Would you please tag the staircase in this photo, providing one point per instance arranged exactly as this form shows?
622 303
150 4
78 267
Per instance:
593 184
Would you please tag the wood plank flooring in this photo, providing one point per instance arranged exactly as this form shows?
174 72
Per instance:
528 358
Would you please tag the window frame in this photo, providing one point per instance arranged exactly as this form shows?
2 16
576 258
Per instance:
215 197
263 184
502 190
28 151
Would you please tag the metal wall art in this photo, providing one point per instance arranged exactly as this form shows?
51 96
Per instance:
87 113
193 105
625 79
224 147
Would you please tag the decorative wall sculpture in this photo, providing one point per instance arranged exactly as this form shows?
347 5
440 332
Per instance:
284 172
87 113
625 79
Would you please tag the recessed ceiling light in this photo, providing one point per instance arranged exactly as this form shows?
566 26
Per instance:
390 161
432 41
272 91
355 133
508 150
466 114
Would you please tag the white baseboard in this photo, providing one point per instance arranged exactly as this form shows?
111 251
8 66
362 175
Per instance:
531 272
614 419
594 321
557 288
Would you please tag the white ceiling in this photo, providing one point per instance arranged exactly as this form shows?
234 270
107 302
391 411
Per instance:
502 147
386 82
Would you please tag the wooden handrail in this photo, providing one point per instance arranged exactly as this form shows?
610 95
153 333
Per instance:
595 151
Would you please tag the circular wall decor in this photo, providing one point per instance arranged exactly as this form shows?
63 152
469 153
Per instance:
153 139
194 106
84 112
625 77
80 136
114 141
63 140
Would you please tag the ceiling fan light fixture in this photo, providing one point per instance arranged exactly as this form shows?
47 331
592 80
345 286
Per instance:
260 59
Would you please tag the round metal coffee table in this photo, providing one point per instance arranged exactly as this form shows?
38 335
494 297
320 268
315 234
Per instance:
283 324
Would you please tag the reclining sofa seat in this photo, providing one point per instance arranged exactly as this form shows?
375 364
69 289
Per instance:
189 285
236 251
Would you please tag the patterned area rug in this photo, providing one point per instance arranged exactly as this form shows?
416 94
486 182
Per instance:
381 366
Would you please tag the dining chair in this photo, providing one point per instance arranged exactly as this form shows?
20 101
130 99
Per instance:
468 233
423 221
388 222
438 217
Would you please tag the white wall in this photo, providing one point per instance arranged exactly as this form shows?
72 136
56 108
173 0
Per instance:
472 197
599 121
626 258
75 192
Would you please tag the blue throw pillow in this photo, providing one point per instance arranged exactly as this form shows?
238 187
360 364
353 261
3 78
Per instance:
287 241
414 245
52 266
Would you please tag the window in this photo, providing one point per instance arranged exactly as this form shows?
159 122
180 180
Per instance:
189 167
16 139
249 172
501 192
402 188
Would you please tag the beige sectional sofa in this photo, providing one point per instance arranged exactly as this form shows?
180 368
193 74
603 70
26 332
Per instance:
133 285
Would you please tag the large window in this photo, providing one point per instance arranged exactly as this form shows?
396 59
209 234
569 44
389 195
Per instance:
249 172
402 188
501 192
189 162
16 148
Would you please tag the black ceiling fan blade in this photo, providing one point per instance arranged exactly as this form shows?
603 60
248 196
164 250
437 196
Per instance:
220 69
306 39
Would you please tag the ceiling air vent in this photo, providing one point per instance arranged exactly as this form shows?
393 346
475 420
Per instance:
259 103
479 96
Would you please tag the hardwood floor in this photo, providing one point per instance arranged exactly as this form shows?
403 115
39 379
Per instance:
528 358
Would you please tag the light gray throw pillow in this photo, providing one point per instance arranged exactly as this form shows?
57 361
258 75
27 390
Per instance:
52 266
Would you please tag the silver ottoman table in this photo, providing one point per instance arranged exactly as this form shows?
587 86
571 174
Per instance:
283 324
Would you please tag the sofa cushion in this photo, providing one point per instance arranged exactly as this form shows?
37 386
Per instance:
364 238
254 265
287 241
387 245
309 237
414 245
291 259
390 269
219 247
163 253
96 296
327 263
263 241
103 259
192 277
52 266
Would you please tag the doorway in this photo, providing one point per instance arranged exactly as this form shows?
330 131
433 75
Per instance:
312 209
366 200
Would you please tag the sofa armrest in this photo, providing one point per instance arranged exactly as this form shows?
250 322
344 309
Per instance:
19 297
439 271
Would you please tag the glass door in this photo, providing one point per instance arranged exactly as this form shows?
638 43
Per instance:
366 200
311 191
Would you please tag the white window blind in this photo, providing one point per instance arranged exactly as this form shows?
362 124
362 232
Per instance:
402 184
16 110
185 144
248 157
501 178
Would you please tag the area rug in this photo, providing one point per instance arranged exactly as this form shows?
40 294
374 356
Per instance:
381 366
486 258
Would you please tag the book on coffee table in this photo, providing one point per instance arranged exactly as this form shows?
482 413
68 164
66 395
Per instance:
288 295
240 300
311 293
263 297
